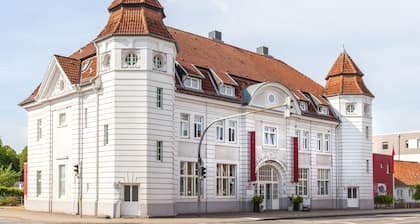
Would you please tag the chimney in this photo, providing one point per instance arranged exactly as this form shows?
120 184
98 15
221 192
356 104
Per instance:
263 51
215 35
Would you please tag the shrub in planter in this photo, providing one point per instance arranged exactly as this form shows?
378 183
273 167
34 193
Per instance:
383 201
297 202
257 200
9 201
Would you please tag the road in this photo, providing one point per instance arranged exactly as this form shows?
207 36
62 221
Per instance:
376 219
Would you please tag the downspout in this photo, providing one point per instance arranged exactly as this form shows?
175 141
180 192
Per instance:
80 154
97 148
50 195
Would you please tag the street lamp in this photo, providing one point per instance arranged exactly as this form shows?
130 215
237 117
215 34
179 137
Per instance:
201 169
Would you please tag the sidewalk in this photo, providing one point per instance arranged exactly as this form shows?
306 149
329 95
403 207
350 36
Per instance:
21 215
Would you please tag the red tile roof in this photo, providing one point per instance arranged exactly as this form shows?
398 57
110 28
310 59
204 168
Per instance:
136 20
31 98
71 68
407 173
345 78
117 3
224 58
85 52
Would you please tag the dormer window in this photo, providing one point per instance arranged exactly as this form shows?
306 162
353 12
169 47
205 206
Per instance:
303 106
192 83
227 90
323 110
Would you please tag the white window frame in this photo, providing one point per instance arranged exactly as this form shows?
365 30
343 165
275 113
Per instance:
131 190
270 136
189 84
62 119
162 58
159 97
323 182
220 131
298 135
367 132
302 187
106 135
38 183
39 129
385 145
198 126
134 59
306 140
319 142
227 90
159 151
226 180
184 126
350 108
85 118
367 166
327 143
232 131
61 181
186 178
323 110
303 106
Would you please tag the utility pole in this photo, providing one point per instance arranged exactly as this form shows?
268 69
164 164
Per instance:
201 169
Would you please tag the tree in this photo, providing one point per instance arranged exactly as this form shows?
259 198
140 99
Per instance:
8 157
1 142
8 176
23 158
416 195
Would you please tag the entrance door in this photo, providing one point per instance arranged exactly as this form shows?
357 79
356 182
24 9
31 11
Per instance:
352 197
130 205
268 184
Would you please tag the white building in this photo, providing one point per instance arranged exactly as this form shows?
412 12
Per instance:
406 145
129 108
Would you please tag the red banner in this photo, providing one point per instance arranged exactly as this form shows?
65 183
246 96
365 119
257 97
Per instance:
295 159
25 179
252 165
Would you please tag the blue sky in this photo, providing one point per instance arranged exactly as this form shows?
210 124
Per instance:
382 36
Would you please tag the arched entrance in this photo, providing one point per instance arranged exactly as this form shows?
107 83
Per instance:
267 185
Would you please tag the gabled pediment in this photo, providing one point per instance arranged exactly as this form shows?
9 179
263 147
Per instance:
56 82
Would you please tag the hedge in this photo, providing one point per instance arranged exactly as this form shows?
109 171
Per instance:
384 199
10 192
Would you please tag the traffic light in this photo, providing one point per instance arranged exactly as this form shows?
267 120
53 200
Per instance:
203 172
76 169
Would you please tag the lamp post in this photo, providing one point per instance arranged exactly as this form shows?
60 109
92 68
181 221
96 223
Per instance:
201 168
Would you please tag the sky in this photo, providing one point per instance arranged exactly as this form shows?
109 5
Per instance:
382 37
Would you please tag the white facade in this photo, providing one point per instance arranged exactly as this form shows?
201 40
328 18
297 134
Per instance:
135 139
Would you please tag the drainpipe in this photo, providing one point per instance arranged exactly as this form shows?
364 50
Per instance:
97 148
50 195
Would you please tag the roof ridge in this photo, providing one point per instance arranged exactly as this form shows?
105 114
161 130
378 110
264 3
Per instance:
249 51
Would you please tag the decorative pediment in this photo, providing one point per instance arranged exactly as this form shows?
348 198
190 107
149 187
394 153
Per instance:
269 94
55 83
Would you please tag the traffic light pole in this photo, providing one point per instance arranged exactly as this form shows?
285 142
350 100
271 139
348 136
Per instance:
200 166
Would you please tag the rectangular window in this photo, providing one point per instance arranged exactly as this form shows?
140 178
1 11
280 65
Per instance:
188 181
232 131
388 168
62 121
305 142
227 90
220 131
323 181
198 126
159 98
62 180
159 150
106 135
367 132
367 166
270 136
86 118
385 145
226 180
38 183
192 83
39 129
327 143
302 185
184 125
297 134
319 142
131 193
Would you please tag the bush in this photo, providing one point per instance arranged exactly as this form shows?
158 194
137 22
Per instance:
298 200
384 199
9 201
10 192
257 199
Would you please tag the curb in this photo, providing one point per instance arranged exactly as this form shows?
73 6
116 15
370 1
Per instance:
336 215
